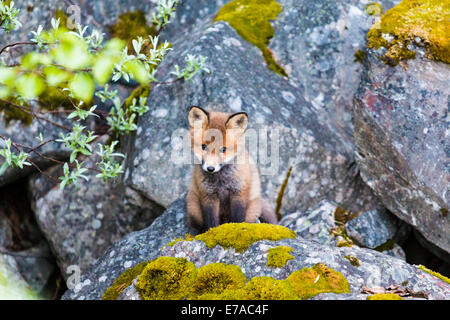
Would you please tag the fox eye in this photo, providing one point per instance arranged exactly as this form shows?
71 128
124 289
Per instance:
204 146
223 150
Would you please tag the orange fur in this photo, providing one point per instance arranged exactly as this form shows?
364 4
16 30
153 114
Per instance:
232 192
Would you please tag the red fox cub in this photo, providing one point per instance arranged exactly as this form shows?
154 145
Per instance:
225 187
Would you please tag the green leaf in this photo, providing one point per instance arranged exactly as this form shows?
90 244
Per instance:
33 59
102 69
72 52
82 86
8 76
138 71
30 86
55 75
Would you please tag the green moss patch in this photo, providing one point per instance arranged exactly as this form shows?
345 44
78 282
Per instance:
251 20
353 261
427 19
187 237
123 281
131 25
309 282
166 278
215 278
279 256
172 278
436 274
385 296
10 112
241 235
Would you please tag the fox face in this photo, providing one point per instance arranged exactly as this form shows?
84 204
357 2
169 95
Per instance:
216 137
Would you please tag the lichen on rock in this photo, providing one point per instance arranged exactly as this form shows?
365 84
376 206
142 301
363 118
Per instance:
241 235
123 281
279 256
215 278
251 19
436 274
385 296
132 25
166 278
420 22
309 282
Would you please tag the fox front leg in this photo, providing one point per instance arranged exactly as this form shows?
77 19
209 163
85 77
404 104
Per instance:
238 208
210 212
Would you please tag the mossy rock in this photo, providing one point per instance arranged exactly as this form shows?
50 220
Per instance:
251 20
309 282
427 19
215 278
385 296
436 274
265 288
123 281
166 278
132 25
241 235
10 112
278 257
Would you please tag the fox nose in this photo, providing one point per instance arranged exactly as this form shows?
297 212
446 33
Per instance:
210 169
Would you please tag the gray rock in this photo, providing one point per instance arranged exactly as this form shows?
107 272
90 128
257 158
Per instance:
133 249
81 223
400 129
376 269
373 228
315 41
314 223
12 284
241 81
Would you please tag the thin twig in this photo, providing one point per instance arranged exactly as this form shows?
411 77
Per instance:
16 44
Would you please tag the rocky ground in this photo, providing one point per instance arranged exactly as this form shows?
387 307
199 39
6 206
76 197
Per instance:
364 143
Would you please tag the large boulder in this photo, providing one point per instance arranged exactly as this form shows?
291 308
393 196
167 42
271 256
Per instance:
375 269
316 42
401 127
329 224
81 223
322 166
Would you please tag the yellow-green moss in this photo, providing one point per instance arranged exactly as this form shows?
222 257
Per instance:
265 288
385 296
426 19
166 278
353 260
359 56
131 25
176 278
215 278
388 245
278 256
10 112
187 237
436 274
241 235
251 20
123 281
309 282
374 9
341 216
281 194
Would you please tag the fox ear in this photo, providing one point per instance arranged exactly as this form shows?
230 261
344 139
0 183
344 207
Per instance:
197 116
238 121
